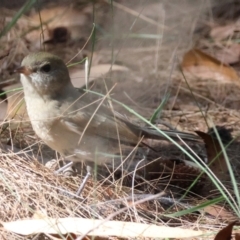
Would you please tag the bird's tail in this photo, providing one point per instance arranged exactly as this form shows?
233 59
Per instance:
154 134
174 134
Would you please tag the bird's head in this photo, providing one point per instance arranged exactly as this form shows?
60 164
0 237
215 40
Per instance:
44 73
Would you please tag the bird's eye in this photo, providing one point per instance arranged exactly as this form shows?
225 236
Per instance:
46 68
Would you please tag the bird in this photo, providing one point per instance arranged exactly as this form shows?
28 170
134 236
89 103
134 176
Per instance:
70 122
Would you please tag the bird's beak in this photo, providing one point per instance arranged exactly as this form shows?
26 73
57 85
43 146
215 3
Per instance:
24 70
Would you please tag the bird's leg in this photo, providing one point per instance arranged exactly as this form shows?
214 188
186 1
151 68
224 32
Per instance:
81 187
69 166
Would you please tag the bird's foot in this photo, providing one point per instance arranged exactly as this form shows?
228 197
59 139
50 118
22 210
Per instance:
66 170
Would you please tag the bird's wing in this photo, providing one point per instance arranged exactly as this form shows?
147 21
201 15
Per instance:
102 123
106 123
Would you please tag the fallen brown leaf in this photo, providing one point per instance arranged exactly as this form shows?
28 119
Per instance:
229 55
91 227
207 67
237 236
219 212
222 32
225 233
215 157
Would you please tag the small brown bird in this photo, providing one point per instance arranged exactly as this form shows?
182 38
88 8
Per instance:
69 122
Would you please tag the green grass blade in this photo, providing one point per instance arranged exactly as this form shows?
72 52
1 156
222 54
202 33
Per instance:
197 208
159 109
24 9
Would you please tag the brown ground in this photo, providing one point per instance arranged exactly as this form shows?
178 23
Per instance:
150 72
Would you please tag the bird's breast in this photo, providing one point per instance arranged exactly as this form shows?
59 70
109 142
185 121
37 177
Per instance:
43 115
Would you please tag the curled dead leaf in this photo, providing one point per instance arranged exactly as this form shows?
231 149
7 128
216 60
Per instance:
216 160
225 233
237 236
207 67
